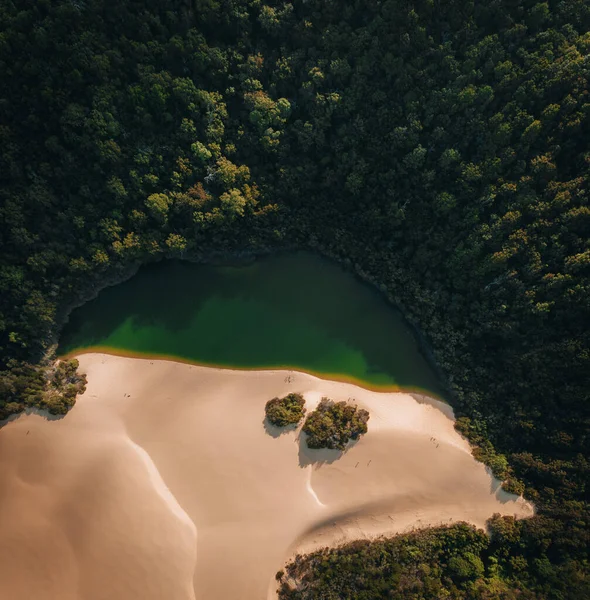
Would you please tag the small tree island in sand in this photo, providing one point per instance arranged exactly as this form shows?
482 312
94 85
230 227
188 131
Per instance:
285 411
333 424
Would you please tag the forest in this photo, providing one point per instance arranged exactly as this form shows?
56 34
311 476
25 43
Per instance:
437 148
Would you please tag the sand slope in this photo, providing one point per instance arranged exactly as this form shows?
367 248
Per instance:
165 482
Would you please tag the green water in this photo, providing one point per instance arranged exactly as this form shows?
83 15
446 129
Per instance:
298 310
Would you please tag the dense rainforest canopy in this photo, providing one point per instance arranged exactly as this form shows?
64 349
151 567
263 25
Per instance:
437 147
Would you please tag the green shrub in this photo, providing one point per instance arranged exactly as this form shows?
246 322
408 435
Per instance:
467 567
334 424
285 411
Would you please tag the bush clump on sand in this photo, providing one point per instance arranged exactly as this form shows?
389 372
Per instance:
285 411
53 388
64 383
334 424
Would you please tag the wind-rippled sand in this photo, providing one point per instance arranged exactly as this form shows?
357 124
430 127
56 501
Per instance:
165 482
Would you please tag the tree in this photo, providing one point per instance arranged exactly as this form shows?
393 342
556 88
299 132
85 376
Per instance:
158 206
285 411
334 424
176 243
233 203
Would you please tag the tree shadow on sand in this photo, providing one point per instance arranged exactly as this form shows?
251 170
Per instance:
496 488
321 456
424 398
275 431
41 412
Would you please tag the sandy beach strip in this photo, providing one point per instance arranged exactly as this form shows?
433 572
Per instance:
165 481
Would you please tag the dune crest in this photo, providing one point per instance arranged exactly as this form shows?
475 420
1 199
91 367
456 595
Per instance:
166 481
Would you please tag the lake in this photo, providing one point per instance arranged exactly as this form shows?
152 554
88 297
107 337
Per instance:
296 311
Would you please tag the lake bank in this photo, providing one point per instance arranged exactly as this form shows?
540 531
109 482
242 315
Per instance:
164 478
296 311
116 275
335 377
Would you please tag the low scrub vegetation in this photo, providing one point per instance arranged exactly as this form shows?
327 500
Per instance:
285 411
53 389
334 424
457 563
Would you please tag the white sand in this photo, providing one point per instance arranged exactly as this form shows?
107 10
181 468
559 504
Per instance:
164 483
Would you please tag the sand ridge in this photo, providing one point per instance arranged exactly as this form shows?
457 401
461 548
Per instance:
165 481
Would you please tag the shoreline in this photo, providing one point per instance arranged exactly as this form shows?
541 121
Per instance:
239 258
336 377
388 296
122 273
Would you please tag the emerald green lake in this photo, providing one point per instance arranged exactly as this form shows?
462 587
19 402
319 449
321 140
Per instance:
298 311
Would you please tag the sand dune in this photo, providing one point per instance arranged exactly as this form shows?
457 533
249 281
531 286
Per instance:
164 481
